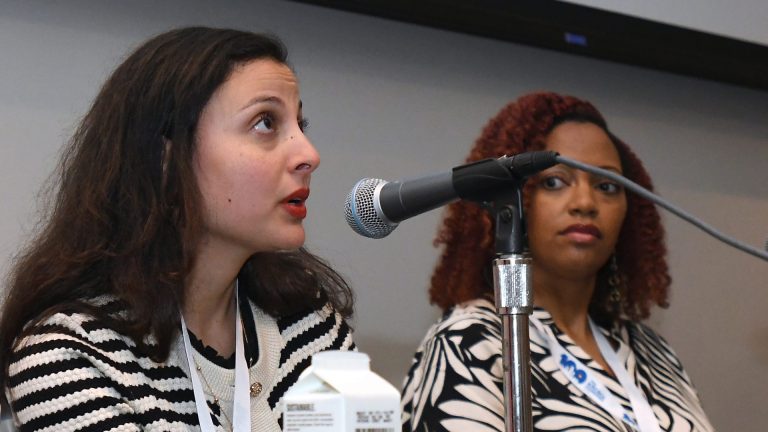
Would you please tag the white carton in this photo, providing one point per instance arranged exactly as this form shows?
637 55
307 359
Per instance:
339 393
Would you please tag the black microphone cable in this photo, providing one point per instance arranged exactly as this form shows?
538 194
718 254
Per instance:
661 202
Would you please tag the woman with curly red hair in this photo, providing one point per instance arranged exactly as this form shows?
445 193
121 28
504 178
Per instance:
598 267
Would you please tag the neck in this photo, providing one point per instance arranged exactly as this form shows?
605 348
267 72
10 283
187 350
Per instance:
209 298
567 300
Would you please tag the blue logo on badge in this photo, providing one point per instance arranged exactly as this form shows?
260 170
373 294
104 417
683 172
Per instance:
570 365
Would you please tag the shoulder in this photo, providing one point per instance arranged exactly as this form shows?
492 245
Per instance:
302 335
93 373
311 324
72 331
66 342
471 331
455 380
662 368
640 333
649 345
475 317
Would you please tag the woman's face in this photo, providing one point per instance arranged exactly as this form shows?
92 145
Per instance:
253 162
574 217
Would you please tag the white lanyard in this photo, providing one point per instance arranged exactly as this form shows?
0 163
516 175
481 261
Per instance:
241 410
646 419
583 378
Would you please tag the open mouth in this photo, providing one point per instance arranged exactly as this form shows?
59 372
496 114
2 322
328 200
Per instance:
294 203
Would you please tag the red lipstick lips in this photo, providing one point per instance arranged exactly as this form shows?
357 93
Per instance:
294 203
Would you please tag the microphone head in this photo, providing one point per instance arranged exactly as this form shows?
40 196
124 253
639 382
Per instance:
361 210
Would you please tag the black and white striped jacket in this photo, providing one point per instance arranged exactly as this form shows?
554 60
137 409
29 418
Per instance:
75 374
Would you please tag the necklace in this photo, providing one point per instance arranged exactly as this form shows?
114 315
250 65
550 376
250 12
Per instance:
215 398
254 389
241 418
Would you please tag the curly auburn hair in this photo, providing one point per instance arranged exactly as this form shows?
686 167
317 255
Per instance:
522 126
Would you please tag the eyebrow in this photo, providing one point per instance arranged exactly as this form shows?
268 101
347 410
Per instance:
261 99
611 168
267 99
605 167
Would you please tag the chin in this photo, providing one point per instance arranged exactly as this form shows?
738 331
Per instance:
581 260
293 241
285 240
294 246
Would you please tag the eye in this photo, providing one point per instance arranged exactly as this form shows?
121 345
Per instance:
264 123
610 188
552 183
303 124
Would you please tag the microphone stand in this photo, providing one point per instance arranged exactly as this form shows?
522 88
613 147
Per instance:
513 291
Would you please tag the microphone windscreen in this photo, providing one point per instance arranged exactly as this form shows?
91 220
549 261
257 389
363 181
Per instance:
360 210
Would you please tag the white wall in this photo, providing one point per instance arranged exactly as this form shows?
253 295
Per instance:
393 100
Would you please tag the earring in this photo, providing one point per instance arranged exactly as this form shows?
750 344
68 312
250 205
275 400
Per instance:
614 282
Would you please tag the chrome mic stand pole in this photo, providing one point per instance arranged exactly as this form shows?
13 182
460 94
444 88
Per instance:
514 303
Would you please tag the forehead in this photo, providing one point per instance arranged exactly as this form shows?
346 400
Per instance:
585 142
262 77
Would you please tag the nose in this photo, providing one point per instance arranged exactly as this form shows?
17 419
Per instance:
582 200
307 157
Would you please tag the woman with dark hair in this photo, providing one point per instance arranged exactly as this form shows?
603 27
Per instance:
598 267
168 287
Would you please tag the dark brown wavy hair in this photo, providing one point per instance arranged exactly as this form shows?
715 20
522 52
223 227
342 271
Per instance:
467 232
125 218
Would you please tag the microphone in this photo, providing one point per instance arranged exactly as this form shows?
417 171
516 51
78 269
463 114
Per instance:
375 207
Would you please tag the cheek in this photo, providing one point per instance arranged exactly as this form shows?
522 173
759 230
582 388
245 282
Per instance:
539 214
539 228
615 220
251 184
232 186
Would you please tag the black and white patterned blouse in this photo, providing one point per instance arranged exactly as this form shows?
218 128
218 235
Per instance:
455 382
